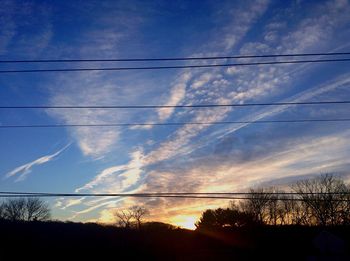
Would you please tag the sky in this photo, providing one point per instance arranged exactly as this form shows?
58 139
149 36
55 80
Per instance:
189 158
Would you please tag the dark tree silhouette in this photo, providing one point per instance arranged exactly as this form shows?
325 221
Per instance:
14 209
124 218
328 208
25 209
257 204
321 201
37 210
2 213
138 213
219 218
131 217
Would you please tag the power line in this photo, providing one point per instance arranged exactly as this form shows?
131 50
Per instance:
174 58
179 193
171 123
171 106
173 66
120 195
163 195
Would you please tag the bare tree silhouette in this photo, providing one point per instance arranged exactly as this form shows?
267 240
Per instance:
2 210
25 209
257 204
131 217
320 201
138 213
323 199
14 209
37 210
124 218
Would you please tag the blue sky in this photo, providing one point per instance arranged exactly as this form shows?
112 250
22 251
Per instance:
169 158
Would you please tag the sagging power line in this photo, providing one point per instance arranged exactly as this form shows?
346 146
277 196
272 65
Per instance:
174 58
173 66
172 123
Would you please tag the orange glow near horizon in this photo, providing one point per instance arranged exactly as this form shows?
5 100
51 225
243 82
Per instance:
187 222
183 221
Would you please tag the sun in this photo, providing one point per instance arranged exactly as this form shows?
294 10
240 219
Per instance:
187 222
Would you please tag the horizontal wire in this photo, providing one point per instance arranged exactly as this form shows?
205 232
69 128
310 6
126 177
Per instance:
138 196
171 123
174 66
174 58
158 196
181 193
170 106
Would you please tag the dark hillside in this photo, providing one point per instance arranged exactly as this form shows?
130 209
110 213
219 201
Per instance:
63 240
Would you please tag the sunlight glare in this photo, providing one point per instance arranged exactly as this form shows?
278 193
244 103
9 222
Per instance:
187 222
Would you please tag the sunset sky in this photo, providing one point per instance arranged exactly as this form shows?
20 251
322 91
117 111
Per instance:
190 158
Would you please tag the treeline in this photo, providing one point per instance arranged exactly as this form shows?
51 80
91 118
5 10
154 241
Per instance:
323 201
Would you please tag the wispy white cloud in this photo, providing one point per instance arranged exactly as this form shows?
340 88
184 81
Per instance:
105 37
108 204
177 94
24 170
339 82
203 79
240 22
117 178
242 19
315 31
69 202
225 176
91 90
235 20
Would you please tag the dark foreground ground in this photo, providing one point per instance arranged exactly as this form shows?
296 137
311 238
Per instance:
61 241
